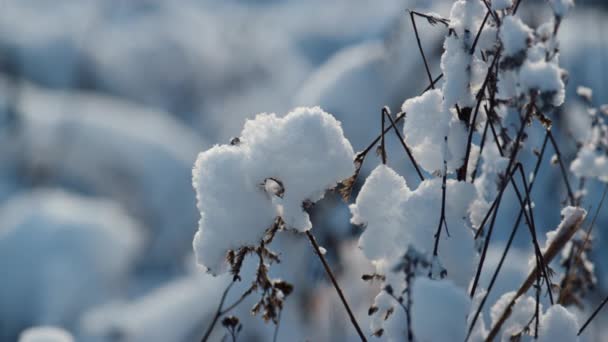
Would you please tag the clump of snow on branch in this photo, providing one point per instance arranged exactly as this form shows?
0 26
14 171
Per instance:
558 324
460 67
275 166
515 36
561 7
427 123
439 310
396 217
591 159
570 216
45 334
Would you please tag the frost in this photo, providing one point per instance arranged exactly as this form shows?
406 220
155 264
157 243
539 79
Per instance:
439 310
304 153
45 334
396 217
514 35
426 125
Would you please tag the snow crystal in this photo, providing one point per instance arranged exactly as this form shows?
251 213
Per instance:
439 310
396 217
426 125
514 35
305 153
45 334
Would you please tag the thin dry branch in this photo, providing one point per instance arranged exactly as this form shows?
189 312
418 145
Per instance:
556 246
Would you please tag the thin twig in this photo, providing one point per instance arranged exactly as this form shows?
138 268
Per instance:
382 148
331 276
562 168
556 246
595 312
583 246
426 65
496 204
218 312
402 141
509 241
442 217
276 327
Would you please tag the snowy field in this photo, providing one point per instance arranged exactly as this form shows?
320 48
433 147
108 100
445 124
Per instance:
162 160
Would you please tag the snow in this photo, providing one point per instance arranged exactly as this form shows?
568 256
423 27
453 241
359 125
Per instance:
486 184
457 64
45 334
570 215
111 147
425 127
439 310
558 324
396 217
584 92
61 253
590 163
306 151
188 303
521 313
514 35
544 77
561 7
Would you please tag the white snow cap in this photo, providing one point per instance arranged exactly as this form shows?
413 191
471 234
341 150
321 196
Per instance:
570 215
561 7
425 127
558 324
590 163
461 69
302 155
584 92
514 35
396 217
544 77
45 334
439 310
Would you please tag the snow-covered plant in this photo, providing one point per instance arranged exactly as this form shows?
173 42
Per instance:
469 138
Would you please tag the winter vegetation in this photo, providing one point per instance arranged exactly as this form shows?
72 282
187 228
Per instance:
420 171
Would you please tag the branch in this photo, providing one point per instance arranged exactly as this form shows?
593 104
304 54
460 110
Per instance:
331 276
556 246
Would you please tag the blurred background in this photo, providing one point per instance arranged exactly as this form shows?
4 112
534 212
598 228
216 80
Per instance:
105 104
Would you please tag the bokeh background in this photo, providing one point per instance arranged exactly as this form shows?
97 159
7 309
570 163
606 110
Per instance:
104 105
